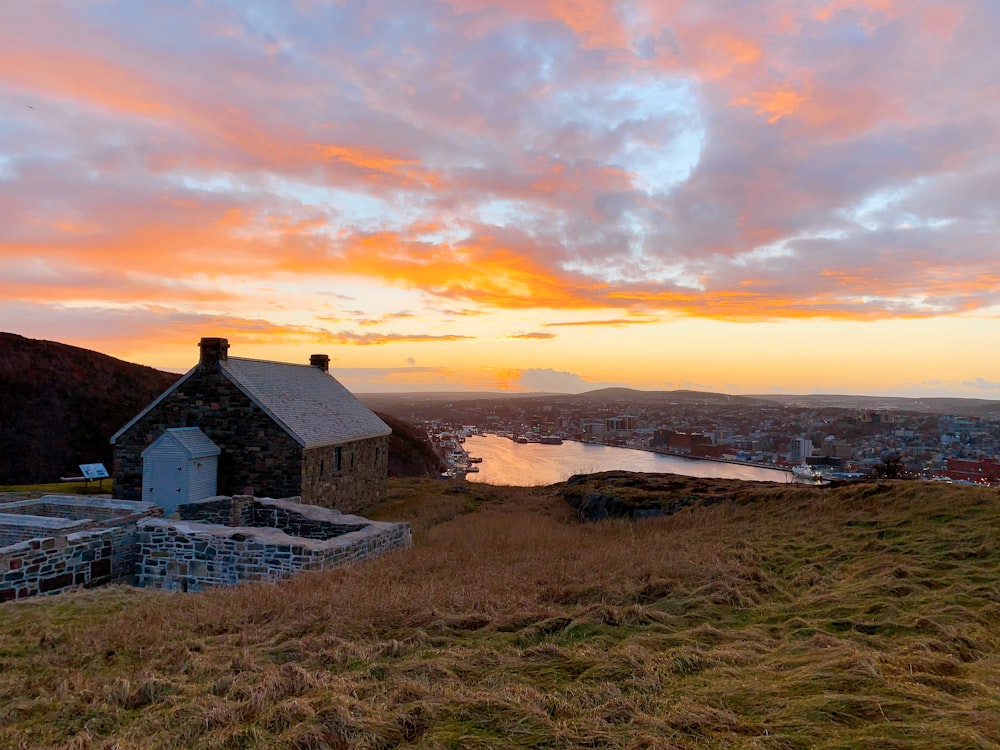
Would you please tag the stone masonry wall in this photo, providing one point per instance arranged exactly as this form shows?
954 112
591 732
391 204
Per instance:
53 564
72 506
191 556
287 515
258 457
359 483
19 527
45 555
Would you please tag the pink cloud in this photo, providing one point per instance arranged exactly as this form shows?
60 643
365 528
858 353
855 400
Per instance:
812 159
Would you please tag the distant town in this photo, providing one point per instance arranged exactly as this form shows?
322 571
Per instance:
846 440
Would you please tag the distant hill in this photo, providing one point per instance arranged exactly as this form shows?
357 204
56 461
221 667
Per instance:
432 405
680 396
937 405
60 404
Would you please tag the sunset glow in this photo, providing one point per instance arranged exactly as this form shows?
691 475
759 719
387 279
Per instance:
787 195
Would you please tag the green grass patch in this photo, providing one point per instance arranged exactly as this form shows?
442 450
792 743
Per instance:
61 488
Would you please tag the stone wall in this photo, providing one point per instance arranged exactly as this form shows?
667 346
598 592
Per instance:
75 507
53 564
258 457
191 556
45 554
287 515
20 527
360 481
274 539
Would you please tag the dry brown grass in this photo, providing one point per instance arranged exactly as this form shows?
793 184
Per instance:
787 618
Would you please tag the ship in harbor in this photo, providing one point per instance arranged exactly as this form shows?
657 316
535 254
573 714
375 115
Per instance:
806 473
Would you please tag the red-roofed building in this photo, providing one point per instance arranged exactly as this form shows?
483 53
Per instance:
986 470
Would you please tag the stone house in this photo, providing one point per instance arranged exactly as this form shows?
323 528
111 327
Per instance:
281 430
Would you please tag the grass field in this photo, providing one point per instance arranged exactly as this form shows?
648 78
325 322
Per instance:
61 488
788 617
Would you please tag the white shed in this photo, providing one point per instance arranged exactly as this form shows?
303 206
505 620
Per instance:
180 466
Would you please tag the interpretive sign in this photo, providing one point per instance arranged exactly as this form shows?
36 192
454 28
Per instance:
94 471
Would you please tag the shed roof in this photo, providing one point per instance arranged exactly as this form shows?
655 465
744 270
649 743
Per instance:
191 440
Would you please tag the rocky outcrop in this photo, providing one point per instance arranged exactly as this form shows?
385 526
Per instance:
620 494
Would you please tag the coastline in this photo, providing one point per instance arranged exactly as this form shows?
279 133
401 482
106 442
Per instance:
674 454
506 462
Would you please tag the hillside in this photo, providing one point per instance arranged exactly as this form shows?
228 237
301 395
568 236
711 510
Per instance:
60 404
410 452
757 616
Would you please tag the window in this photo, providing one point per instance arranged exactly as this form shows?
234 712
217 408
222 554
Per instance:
338 456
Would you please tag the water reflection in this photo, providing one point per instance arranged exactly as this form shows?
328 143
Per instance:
524 465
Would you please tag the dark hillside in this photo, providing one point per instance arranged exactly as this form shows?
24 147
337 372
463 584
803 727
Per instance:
410 452
60 404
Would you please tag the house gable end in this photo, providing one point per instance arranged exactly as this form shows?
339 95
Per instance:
153 404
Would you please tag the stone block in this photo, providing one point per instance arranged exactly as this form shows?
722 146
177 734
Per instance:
55 583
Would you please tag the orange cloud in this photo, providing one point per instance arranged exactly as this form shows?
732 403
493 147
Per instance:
556 178
162 251
383 319
507 379
86 77
887 8
371 339
83 76
823 109
732 49
535 335
482 270
614 322
594 21
378 163
775 103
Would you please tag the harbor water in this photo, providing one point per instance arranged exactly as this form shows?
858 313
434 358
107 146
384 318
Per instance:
530 464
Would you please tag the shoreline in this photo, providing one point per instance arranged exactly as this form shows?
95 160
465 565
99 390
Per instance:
672 454
583 457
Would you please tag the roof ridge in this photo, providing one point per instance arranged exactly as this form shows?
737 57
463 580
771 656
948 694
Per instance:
270 362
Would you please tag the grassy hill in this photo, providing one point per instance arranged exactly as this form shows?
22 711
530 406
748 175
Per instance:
757 616
60 404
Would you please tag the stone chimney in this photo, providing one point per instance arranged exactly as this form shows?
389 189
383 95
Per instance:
213 351
322 361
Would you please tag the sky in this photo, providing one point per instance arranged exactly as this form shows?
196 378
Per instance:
747 196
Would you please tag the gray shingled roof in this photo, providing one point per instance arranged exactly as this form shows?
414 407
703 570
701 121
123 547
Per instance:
313 407
192 440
